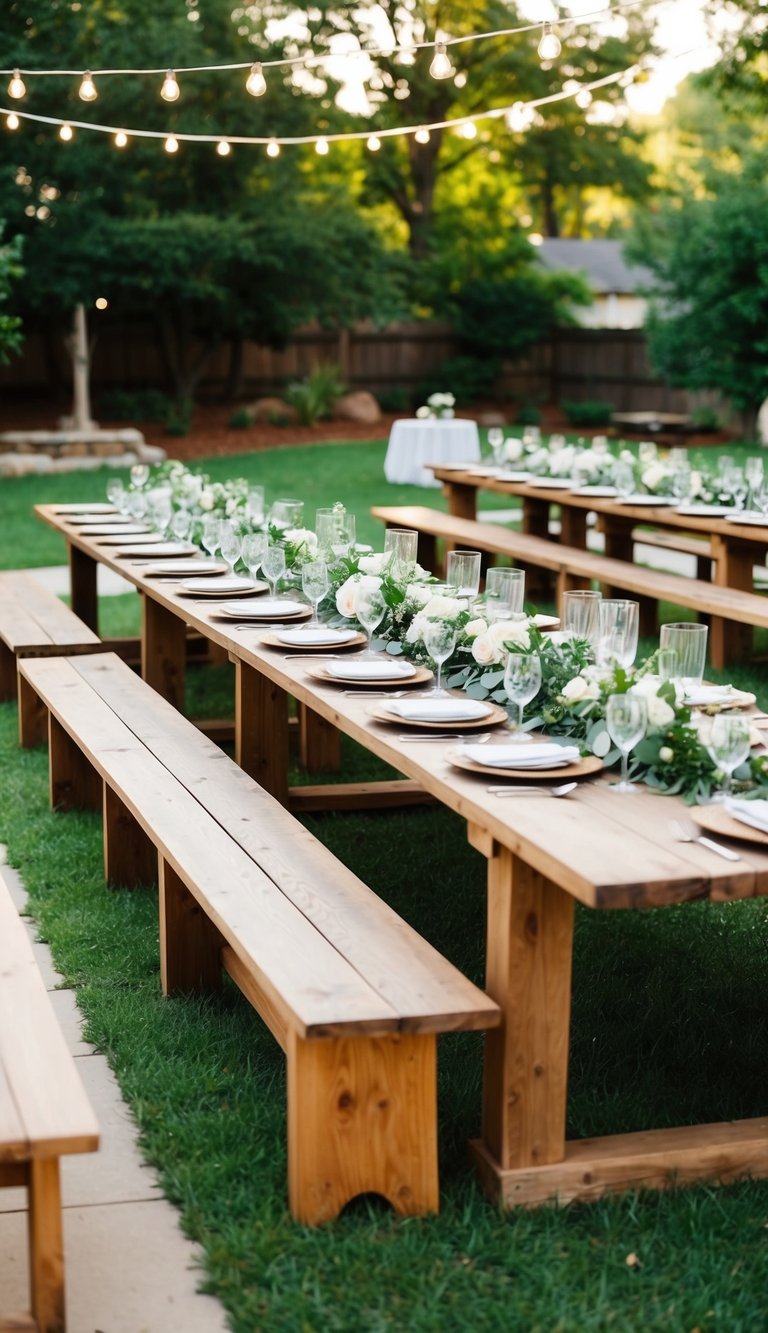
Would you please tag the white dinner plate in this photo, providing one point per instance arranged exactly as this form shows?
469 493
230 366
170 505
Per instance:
267 608
516 476
599 492
649 501
222 586
155 548
706 696
105 520
121 536
457 467
383 669
748 520
552 483
704 511
315 636
68 510
193 569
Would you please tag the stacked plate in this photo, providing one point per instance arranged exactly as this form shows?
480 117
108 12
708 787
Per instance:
523 755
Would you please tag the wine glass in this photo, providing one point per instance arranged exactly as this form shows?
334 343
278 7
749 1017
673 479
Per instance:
136 504
463 572
495 442
211 534
314 583
753 471
273 566
522 681
231 544
181 524
159 509
618 631
116 492
728 746
287 513
254 505
254 548
626 716
370 610
140 475
439 641
624 478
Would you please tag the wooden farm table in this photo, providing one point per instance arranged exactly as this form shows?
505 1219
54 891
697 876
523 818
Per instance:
736 547
542 856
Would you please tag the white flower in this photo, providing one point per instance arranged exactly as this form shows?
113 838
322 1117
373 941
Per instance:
441 400
475 627
301 537
696 483
423 413
578 689
510 631
417 628
207 499
485 651
561 462
346 595
444 608
654 475
666 755
374 564
418 594
660 714
513 450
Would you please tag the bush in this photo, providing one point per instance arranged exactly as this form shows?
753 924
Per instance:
528 415
314 398
705 418
240 419
589 413
468 378
394 400
178 417
133 405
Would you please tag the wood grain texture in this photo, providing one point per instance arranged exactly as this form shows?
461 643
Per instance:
74 783
163 651
84 597
261 747
130 857
33 715
46 1246
190 946
319 743
362 1119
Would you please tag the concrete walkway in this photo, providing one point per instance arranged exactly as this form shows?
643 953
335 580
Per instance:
129 1269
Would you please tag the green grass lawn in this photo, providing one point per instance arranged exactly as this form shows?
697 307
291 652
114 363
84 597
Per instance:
669 1027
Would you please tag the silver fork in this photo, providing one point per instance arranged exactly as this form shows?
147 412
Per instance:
684 830
467 737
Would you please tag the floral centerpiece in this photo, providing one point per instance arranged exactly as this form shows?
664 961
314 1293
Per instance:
439 406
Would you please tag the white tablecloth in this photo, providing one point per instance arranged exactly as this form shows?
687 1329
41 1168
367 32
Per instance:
412 444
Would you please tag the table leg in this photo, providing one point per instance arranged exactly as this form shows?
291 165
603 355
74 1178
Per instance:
319 743
83 587
462 500
619 544
535 521
261 730
528 972
163 651
730 641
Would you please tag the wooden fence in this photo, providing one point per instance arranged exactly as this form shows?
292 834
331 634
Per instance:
575 364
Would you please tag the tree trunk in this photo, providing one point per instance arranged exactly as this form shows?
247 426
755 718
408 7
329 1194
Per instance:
234 385
77 343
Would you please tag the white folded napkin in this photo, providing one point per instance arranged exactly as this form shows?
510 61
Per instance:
522 755
370 670
754 813
318 634
702 695
440 710
276 606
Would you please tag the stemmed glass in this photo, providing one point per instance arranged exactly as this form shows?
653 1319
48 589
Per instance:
273 566
496 442
254 505
728 746
522 681
116 492
439 641
625 717
254 548
231 545
211 534
618 632
181 524
344 536
753 471
370 609
140 475
314 583
136 504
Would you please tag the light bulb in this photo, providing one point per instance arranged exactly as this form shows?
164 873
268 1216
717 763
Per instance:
66 133
17 87
121 139
583 98
549 47
256 84
88 91
519 118
441 67
469 130
101 303
422 135
171 144
273 148
170 89
12 121
321 147
223 148
374 143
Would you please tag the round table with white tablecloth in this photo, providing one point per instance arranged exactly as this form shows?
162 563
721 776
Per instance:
415 443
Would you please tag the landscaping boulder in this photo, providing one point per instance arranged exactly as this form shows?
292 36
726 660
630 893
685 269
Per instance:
359 406
274 411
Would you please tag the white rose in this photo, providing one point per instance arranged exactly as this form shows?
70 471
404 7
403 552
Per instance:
475 627
666 755
485 651
695 483
374 564
513 450
646 687
423 413
576 689
660 714
510 631
416 629
418 594
444 608
207 499
561 463
346 597
653 476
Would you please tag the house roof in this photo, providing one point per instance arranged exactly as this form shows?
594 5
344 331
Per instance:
603 263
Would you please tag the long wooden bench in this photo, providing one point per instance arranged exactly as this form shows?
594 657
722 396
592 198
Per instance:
353 995
44 1113
35 623
573 567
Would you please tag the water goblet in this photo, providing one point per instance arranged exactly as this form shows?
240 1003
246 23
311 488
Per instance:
286 513
522 681
370 610
689 641
140 475
728 746
625 717
136 504
495 442
755 474
273 566
211 534
116 492
230 544
314 583
254 549
254 505
618 621
439 641
462 572
504 593
624 478
181 524
344 535
580 616
647 452
556 442
401 544
159 509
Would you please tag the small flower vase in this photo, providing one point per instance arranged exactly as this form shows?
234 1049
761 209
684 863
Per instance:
446 414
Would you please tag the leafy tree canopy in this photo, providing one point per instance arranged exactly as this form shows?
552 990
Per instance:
10 269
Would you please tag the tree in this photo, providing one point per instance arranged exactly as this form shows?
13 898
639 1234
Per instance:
708 325
10 270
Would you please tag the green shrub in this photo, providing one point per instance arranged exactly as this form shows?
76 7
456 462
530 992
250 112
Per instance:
315 397
705 418
178 417
589 413
468 378
240 419
133 405
528 415
394 400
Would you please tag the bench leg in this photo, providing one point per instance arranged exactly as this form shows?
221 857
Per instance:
362 1119
190 946
74 782
46 1245
129 855
7 672
33 716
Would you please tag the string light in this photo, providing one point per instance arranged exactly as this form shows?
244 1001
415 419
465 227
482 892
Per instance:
171 144
88 91
273 148
321 147
223 148
422 134
66 132
550 46
256 84
519 118
373 143
121 139
441 67
17 87
583 98
101 303
170 90
469 131
12 121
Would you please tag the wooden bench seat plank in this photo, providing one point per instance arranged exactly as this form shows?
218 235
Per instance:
50 1103
32 618
405 969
